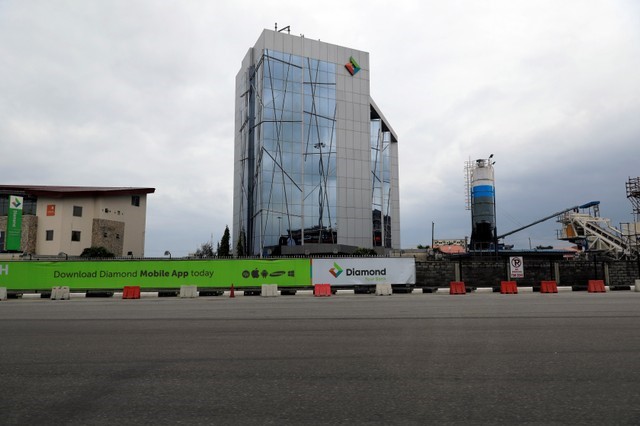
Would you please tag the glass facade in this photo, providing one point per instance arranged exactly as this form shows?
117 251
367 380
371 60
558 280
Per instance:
288 180
315 160
381 183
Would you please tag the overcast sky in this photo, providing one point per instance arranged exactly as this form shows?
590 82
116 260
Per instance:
141 93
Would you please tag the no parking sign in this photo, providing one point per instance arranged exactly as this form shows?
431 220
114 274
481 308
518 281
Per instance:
516 267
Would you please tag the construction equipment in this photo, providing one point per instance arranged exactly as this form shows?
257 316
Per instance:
583 226
593 233
574 208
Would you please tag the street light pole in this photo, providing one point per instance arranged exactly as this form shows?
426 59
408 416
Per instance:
279 228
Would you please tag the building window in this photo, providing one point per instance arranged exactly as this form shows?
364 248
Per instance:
75 235
29 205
49 236
77 211
135 200
381 182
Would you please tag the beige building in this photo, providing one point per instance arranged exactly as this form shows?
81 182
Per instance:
68 219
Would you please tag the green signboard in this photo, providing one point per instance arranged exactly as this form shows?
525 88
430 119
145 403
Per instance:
14 224
154 274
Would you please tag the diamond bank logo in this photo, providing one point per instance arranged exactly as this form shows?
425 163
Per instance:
336 270
352 66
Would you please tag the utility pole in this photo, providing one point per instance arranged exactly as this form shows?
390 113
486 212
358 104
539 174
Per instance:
433 227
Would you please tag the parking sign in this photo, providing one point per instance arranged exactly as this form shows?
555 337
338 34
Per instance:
516 267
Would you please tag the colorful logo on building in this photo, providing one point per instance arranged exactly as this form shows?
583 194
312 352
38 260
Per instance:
16 202
336 270
14 224
352 66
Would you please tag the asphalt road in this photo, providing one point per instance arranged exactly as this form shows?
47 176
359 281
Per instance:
567 358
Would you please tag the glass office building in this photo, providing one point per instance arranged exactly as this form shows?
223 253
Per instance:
316 162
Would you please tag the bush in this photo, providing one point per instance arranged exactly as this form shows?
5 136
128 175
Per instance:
96 252
361 251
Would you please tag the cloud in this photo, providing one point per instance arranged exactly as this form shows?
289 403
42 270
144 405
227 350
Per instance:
142 94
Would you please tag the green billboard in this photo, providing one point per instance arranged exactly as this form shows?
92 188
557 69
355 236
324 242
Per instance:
14 224
154 274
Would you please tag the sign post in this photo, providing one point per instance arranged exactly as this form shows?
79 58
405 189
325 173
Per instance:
14 223
516 267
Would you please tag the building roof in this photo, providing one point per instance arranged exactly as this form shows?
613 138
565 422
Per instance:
72 191
376 113
451 249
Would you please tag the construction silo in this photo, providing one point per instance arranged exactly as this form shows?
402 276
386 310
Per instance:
483 203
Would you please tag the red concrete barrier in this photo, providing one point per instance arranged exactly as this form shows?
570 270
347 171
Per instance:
457 287
322 290
508 287
548 287
596 286
131 292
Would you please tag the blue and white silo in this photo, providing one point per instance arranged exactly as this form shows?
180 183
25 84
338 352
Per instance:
483 202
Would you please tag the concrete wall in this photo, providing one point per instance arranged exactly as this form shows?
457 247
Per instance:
108 234
489 273
623 272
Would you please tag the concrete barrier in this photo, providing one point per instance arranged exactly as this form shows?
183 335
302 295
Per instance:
269 290
383 290
596 286
60 293
508 287
457 287
3 293
322 289
131 292
188 291
548 287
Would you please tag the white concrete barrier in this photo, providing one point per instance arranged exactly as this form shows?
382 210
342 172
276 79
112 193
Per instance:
3 293
188 291
638 285
269 290
60 293
383 289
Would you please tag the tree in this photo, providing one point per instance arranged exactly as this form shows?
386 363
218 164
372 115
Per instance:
361 251
225 244
240 251
96 252
205 250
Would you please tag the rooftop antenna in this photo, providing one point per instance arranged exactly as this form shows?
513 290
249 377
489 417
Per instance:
288 28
